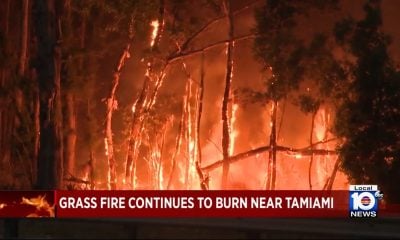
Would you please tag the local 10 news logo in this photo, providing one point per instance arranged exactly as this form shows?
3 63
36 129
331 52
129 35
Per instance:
364 201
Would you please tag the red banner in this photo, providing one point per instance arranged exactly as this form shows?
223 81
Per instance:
115 204
202 203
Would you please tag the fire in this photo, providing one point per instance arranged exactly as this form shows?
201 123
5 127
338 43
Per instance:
3 205
155 24
233 131
40 203
160 177
134 107
106 146
321 124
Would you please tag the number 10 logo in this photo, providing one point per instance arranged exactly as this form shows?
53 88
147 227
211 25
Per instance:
363 201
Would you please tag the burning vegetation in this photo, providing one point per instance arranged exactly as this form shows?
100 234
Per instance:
197 95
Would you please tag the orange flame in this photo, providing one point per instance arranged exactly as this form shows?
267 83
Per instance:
106 146
40 203
3 205
155 24
233 131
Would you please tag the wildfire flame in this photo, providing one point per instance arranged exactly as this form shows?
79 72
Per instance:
155 24
40 203
324 163
233 130
2 205
106 146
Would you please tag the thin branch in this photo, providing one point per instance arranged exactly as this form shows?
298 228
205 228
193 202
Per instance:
236 157
215 145
211 22
180 55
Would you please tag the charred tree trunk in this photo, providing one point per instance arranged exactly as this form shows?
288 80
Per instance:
177 146
312 155
23 48
36 138
89 120
188 127
6 114
281 119
35 104
111 106
70 138
48 21
160 161
141 106
137 119
202 177
69 109
272 152
329 182
200 107
24 38
227 94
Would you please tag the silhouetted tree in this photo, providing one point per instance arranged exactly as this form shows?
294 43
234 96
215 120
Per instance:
369 113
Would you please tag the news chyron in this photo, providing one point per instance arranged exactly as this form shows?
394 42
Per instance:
364 201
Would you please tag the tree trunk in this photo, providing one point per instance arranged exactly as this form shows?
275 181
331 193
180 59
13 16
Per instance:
272 152
177 146
48 21
111 106
227 94
137 119
24 38
200 108
188 133
281 120
203 179
160 161
36 139
70 109
312 155
141 106
6 114
329 182
70 138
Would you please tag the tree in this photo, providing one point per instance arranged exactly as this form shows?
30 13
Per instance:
226 139
284 58
48 67
368 114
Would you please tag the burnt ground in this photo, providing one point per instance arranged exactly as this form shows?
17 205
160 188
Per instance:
215 228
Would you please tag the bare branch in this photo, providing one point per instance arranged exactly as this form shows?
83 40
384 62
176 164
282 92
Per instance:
179 55
236 157
208 24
